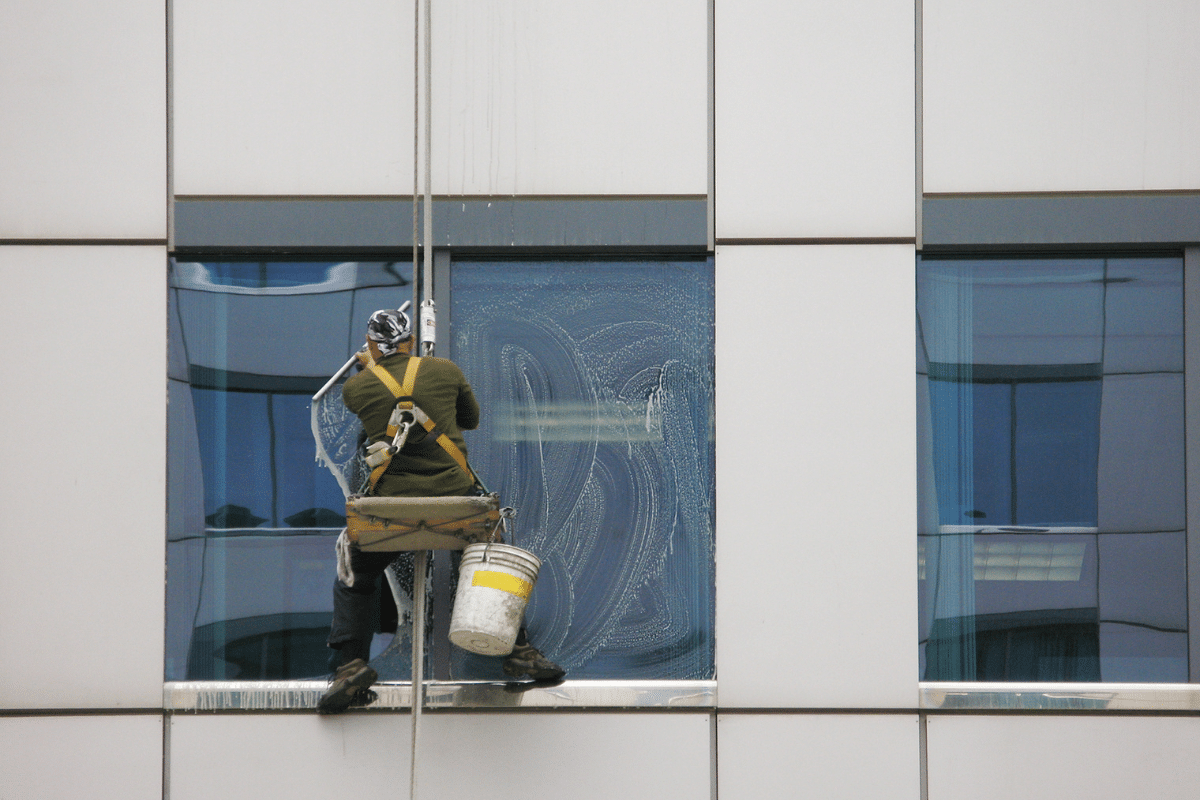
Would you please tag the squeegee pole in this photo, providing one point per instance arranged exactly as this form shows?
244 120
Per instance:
324 390
336 377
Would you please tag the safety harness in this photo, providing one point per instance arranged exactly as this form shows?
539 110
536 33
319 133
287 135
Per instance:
404 416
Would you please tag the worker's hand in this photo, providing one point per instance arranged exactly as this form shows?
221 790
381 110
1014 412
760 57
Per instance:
364 357
377 453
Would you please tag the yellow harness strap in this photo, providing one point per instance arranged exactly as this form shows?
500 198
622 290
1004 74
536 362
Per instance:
405 391
397 390
442 439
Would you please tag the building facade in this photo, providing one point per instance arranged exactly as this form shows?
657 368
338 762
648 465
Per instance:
775 195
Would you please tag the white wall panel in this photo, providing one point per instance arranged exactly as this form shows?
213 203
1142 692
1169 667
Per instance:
67 758
83 127
293 97
1052 757
1061 95
83 343
463 756
816 476
831 757
815 119
587 97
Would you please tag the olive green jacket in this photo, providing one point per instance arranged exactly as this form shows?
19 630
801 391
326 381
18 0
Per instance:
423 468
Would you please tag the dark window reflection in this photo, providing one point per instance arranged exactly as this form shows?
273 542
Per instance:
251 516
1052 487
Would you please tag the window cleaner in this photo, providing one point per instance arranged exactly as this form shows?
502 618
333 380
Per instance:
413 409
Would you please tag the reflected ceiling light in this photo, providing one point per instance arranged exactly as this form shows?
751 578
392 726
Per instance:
1020 561
581 422
1028 561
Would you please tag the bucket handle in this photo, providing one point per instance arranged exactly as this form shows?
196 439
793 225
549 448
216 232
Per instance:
506 513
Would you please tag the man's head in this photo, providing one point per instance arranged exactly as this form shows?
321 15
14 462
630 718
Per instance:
388 331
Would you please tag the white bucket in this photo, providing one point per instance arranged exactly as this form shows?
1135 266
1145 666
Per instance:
494 583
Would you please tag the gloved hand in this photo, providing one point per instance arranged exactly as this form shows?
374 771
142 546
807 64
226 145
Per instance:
377 453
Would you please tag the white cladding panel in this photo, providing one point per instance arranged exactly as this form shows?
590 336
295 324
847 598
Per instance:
816 476
465 756
815 117
83 129
83 338
293 97
587 97
1061 95
65 758
1052 757
842 757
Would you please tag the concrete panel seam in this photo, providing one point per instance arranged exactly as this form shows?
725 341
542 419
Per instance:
82 242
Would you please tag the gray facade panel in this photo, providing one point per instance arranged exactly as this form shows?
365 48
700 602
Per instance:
293 223
1061 220
494 223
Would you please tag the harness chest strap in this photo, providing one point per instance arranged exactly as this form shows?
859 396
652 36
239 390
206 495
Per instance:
403 394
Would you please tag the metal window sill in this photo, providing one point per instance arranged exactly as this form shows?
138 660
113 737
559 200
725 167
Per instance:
1099 697
228 696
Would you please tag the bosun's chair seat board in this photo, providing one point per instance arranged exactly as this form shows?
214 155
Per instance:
420 523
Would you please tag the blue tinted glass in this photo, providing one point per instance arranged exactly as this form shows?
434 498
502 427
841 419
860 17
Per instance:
261 275
252 517
973 477
1057 452
596 383
1052 477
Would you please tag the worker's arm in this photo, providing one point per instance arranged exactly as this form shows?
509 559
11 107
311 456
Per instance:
467 410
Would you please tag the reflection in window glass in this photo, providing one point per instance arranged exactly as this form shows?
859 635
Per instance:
251 516
596 385
1052 544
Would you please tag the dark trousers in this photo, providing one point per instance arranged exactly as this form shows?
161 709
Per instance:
355 607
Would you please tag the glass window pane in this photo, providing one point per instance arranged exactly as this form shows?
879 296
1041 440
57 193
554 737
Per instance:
1054 431
1057 447
596 385
597 388
252 516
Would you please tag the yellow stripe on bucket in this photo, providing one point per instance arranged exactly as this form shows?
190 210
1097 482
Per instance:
502 581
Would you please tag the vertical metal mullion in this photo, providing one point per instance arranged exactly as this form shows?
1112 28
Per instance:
1191 399
170 131
712 126
919 118
713 750
420 563
441 295
167 717
442 602
923 753
169 54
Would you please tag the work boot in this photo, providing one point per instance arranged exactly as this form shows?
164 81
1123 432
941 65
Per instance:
525 659
351 680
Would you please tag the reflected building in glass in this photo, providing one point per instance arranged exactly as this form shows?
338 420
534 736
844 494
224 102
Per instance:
1052 538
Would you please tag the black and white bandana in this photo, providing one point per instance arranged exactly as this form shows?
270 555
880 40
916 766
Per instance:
387 328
